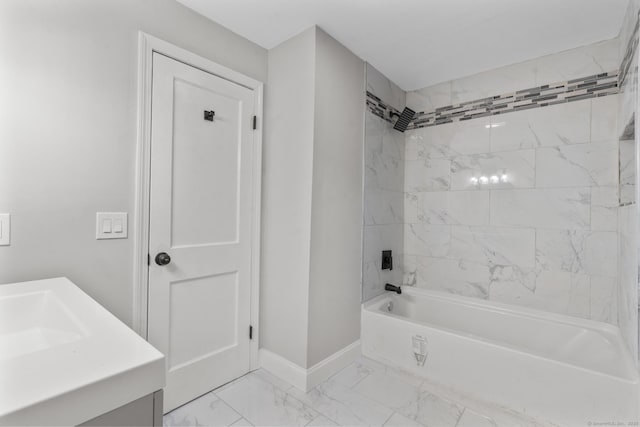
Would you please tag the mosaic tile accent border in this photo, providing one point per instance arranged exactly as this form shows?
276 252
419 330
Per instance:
556 93
381 109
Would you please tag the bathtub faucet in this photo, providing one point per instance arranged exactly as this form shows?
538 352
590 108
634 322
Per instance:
392 288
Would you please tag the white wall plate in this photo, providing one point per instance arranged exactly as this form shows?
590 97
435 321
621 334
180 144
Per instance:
111 225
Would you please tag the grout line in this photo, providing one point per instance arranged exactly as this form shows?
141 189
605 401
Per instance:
360 380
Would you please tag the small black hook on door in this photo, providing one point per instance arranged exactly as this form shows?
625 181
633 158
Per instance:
208 115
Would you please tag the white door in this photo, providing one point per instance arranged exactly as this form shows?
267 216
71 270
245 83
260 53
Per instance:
200 228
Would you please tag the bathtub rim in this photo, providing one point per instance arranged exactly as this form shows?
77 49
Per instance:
634 373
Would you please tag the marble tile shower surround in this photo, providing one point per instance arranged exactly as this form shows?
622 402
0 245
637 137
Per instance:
498 244
501 245
383 204
553 236
384 186
546 238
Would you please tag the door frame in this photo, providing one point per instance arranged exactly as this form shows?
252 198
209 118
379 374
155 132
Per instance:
147 45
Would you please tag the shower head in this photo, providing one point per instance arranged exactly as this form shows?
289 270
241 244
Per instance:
404 119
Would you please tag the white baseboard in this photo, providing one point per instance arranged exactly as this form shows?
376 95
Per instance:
332 364
305 379
283 369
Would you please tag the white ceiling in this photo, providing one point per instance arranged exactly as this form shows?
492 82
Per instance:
417 43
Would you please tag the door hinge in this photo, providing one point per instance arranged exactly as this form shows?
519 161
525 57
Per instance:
255 122
250 332
148 259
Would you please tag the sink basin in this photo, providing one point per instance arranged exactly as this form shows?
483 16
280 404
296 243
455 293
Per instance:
64 359
35 321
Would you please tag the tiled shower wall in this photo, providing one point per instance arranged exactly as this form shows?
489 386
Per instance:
547 238
628 210
551 237
384 189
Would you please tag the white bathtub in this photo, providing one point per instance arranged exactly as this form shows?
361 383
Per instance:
557 368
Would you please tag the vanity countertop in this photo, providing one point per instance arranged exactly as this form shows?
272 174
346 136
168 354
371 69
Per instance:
65 359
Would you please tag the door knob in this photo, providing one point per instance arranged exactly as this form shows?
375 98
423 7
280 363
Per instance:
163 258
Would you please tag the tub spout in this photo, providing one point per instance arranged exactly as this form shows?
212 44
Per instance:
392 288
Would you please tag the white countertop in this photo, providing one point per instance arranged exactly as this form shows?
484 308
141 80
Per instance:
65 359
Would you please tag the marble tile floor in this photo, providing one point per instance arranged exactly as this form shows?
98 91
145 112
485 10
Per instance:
364 393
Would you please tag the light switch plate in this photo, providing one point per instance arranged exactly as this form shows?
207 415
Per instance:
5 229
106 225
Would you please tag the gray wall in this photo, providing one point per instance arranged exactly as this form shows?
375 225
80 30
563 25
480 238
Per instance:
68 78
286 198
336 226
312 199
